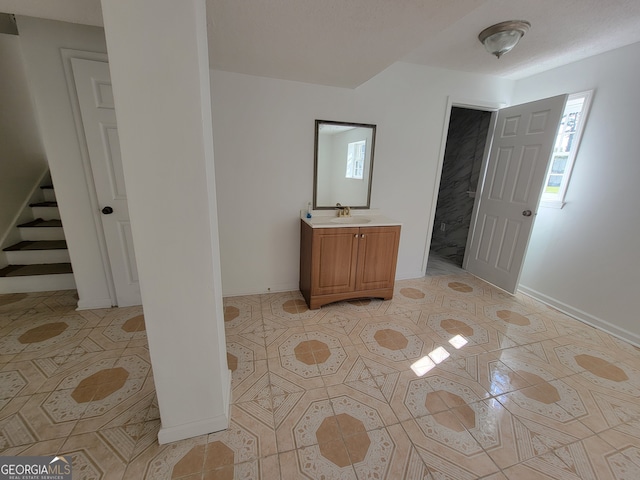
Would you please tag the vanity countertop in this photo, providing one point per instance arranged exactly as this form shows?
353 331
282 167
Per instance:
358 218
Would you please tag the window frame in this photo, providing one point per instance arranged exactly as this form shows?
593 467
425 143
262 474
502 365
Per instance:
556 200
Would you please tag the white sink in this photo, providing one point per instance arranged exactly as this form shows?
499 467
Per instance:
349 220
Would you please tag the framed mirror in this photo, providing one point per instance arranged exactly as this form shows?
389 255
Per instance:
343 164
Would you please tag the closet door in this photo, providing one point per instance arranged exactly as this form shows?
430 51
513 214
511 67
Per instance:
95 96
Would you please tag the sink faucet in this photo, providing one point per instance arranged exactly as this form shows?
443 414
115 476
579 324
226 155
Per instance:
343 211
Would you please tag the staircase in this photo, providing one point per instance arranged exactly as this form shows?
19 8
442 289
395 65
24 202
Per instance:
40 260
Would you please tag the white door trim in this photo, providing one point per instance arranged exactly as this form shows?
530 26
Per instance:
67 55
463 103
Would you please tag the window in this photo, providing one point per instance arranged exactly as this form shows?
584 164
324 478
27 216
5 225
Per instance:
355 159
565 149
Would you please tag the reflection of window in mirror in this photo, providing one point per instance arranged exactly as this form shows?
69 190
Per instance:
355 159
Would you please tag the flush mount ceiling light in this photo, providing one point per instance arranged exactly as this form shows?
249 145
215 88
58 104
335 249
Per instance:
502 37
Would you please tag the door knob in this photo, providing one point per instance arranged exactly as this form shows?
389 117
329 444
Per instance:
107 210
527 213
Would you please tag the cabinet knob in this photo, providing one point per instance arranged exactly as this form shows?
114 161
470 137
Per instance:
362 236
356 235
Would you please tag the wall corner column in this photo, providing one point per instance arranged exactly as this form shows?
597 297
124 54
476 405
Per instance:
160 73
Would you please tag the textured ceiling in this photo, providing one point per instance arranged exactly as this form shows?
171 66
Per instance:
562 31
346 42
331 42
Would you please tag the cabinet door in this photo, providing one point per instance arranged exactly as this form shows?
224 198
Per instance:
377 255
334 257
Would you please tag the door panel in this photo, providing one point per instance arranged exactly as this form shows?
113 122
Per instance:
487 232
499 178
334 255
114 162
508 244
377 254
95 96
514 177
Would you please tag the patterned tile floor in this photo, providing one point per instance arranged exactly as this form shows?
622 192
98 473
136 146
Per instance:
452 379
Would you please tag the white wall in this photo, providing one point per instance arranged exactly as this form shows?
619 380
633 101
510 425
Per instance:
584 258
22 157
41 43
263 135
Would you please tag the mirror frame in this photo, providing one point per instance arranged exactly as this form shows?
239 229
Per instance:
315 162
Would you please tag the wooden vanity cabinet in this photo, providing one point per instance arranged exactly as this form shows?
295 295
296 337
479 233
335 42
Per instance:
347 263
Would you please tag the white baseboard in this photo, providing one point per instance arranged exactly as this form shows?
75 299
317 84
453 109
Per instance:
584 317
94 303
409 275
238 292
202 427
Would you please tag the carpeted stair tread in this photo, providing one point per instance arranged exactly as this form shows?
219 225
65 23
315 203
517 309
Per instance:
37 245
44 204
39 269
38 222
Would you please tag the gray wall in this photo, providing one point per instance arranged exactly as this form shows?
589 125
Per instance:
22 157
42 41
466 139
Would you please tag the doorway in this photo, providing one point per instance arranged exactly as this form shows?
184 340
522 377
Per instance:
464 151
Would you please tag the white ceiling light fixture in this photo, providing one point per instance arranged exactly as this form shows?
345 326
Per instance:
502 37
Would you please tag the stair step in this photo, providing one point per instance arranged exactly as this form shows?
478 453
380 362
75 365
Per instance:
37 245
38 252
38 283
34 257
40 262
37 233
40 269
49 212
38 222
49 193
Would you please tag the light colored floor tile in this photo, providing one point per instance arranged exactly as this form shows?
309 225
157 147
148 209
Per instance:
451 379
444 442
92 458
544 467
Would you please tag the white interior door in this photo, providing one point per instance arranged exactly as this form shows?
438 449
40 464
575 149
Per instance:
514 176
95 96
